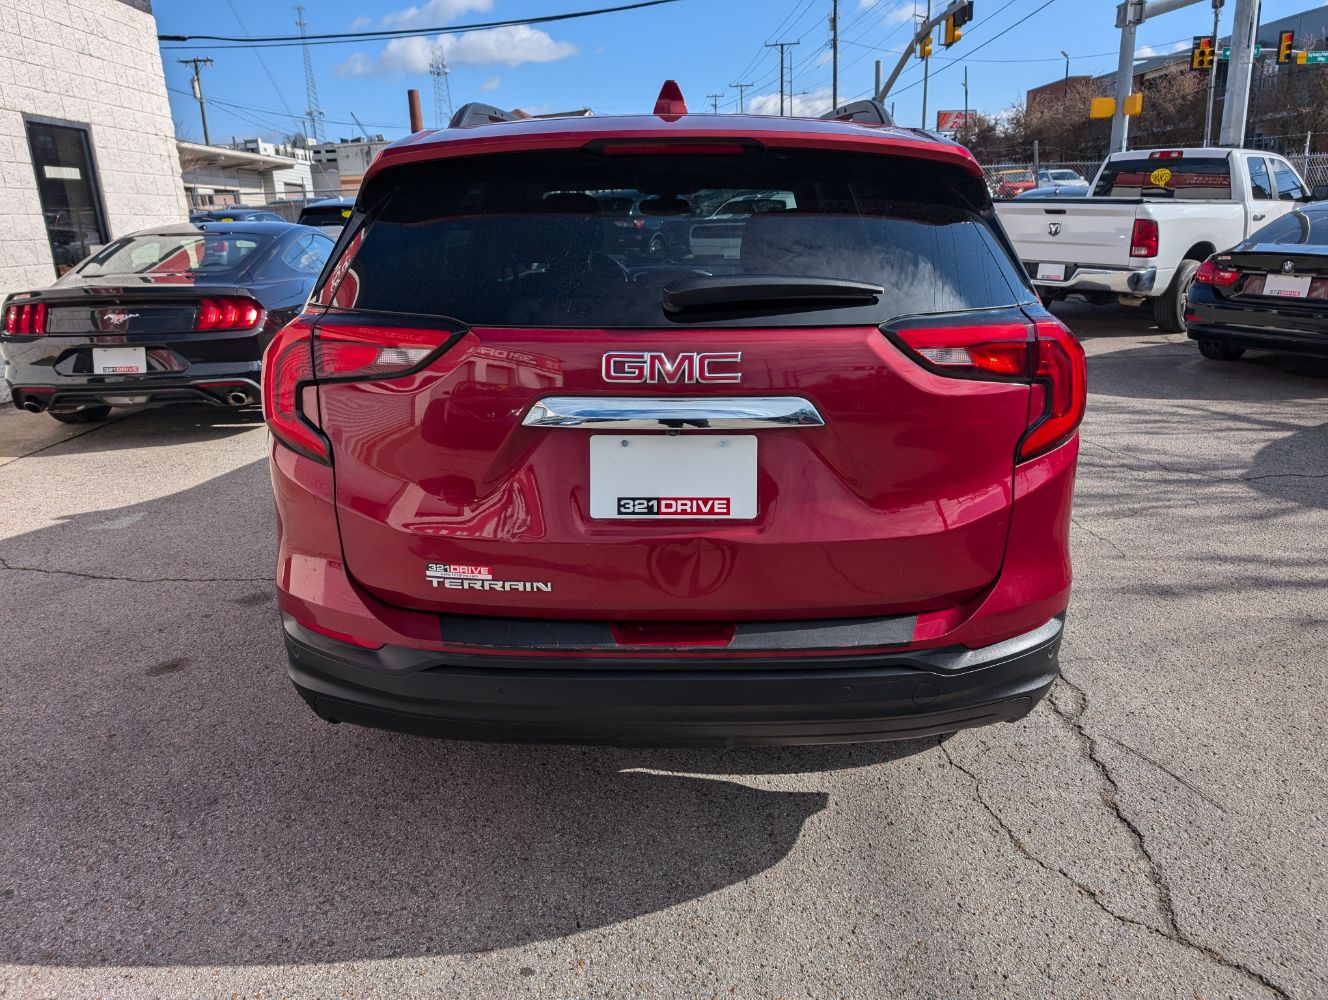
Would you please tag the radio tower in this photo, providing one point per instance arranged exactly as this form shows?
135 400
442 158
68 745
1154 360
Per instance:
442 87
310 84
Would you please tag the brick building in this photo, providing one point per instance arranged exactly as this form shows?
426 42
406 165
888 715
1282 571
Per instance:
87 144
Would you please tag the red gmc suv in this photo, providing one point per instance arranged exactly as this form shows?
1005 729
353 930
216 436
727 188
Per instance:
798 475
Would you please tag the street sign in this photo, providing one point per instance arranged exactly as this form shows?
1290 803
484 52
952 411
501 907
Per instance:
1315 58
1226 53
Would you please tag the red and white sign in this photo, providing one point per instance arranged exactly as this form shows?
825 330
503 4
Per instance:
953 121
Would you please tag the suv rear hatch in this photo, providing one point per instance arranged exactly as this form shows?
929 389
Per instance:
822 421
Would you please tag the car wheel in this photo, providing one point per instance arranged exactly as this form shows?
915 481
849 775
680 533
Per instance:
83 415
1219 351
656 246
1169 307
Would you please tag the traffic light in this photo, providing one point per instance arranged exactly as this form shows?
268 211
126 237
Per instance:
1201 55
1285 46
924 47
956 21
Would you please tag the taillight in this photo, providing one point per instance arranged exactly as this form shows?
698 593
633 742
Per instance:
25 320
1062 370
298 358
228 313
288 366
972 351
1211 274
1052 359
1143 241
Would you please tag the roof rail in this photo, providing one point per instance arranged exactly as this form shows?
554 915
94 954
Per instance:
866 112
476 113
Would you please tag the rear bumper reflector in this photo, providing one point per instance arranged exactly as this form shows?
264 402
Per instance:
640 413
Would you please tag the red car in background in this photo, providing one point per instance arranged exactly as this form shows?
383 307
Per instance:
809 482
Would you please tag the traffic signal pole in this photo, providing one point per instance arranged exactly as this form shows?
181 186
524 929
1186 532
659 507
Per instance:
1235 109
924 31
1129 15
1212 75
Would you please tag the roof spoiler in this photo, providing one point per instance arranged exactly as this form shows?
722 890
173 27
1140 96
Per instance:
864 112
476 113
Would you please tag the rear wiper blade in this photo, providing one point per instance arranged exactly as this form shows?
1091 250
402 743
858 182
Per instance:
739 290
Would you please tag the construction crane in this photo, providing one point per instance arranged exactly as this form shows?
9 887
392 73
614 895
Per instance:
442 87
314 112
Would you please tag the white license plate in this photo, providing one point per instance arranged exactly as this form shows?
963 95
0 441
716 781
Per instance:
119 361
666 477
1051 272
1287 286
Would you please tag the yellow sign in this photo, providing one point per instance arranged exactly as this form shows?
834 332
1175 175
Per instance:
1160 177
1102 107
345 213
1134 104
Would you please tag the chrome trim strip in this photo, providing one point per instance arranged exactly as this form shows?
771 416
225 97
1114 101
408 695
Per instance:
632 413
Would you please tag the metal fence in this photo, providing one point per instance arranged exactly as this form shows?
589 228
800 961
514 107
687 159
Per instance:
287 208
1016 176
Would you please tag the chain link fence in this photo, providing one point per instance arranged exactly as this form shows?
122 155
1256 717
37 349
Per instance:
287 208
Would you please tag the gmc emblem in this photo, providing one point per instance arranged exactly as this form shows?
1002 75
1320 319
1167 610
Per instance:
655 366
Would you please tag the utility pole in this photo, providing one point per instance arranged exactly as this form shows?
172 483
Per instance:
781 46
197 85
714 102
1066 91
310 83
965 96
878 78
1240 68
742 91
834 53
926 71
1212 77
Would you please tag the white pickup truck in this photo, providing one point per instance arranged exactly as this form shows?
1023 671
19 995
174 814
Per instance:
1152 216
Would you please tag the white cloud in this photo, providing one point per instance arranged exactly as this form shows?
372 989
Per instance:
510 46
360 23
492 83
433 13
1148 51
808 105
898 15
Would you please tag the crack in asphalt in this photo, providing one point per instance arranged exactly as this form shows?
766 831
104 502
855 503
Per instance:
109 422
6 564
1101 538
1172 931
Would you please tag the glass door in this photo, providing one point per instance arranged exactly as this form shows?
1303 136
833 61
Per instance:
68 190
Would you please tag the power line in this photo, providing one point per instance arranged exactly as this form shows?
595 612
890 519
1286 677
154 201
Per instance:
350 37
229 105
261 61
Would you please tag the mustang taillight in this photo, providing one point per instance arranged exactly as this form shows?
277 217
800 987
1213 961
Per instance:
1212 274
228 313
298 359
1051 359
27 319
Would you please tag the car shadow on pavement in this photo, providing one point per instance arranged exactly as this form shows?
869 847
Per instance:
167 799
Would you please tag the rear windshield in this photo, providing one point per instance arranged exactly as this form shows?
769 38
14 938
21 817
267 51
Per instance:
1180 178
193 253
525 239
325 215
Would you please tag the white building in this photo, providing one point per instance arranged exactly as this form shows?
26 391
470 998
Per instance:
252 172
350 158
87 145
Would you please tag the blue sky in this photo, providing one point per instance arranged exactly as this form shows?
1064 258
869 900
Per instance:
615 63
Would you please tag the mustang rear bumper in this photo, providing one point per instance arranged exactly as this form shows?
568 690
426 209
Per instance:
701 700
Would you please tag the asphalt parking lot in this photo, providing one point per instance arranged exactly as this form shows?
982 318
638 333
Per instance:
175 823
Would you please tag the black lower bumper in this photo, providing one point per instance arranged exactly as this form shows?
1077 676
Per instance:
715 702
222 390
1266 338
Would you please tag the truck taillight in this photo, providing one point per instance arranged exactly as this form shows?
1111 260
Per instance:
1052 360
1143 241
300 358
27 319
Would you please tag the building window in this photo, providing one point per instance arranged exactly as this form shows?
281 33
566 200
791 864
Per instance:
68 190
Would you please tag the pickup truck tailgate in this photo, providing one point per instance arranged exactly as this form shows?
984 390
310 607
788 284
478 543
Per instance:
1081 231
